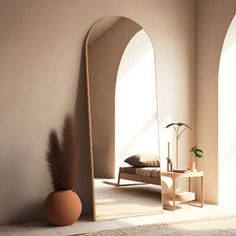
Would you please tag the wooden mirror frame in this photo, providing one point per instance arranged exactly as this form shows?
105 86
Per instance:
89 105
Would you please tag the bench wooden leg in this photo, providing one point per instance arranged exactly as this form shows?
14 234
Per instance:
118 182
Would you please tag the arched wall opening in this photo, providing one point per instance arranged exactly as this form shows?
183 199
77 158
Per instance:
136 130
227 119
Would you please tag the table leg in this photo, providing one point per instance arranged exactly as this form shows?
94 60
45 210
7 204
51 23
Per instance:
201 194
173 207
202 191
189 186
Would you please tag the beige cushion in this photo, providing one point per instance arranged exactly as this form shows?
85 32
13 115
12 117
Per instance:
143 160
148 171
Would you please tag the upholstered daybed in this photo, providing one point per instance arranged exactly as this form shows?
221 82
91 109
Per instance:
142 168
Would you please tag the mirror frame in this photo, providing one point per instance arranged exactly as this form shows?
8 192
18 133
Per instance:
90 111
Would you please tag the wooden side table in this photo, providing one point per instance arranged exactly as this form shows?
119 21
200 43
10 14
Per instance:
184 196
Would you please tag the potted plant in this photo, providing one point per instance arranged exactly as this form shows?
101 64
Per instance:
62 206
195 153
179 129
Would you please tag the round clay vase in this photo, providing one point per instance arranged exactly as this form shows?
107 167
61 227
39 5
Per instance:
62 208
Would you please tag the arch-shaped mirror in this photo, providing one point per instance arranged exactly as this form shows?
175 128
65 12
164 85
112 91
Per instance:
123 120
226 117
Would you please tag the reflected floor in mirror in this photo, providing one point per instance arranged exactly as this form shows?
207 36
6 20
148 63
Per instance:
114 202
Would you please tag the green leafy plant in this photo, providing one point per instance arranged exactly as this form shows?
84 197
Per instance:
179 129
197 152
62 156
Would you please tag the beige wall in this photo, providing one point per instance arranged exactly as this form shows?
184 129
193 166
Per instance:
104 56
213 20
42 77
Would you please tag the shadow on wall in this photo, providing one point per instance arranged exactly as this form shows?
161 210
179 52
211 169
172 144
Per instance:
19 185
83 183
29 212
20 167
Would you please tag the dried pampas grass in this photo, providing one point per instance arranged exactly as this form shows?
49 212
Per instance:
62 156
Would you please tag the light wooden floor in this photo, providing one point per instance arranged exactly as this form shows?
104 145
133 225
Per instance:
114 202
184 214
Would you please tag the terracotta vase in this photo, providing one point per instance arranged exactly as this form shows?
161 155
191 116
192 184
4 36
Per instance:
192 164
62 208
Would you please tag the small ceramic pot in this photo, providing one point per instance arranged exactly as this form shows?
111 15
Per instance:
62 208
192 164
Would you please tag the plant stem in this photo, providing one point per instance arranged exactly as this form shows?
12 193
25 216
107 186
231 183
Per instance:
177 152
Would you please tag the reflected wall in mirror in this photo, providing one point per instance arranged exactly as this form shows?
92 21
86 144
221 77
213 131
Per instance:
123 121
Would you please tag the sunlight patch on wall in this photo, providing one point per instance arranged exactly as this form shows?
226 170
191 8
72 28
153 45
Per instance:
135 101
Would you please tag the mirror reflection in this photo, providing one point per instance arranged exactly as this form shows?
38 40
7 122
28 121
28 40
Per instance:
123 120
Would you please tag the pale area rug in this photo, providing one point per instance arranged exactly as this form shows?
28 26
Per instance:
125 201
224 226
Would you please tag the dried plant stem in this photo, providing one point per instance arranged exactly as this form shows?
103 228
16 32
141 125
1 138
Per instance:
62 157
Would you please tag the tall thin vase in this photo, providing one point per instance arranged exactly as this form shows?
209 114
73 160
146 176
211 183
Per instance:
192 164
